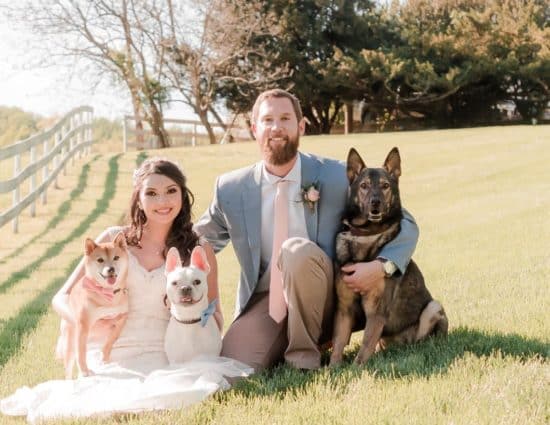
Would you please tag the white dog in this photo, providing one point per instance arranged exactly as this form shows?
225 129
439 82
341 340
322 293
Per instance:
192 329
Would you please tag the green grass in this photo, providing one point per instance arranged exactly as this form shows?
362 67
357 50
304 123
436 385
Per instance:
481 198
55 249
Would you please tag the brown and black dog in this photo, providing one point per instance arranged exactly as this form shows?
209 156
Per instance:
400 309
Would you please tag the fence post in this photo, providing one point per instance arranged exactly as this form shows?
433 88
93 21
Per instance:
33 181
194 138
45 172
57 158
71 128
124 134
78 135
16 193
66 148
90 129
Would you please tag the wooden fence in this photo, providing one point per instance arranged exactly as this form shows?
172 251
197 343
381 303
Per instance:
69 137
181 133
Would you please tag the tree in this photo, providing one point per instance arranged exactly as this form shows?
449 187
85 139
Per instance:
308 38
208 51
453 60
107 35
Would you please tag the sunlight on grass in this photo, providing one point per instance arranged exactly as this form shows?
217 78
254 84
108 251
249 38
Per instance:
481 198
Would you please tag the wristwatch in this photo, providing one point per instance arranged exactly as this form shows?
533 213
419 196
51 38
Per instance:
388 266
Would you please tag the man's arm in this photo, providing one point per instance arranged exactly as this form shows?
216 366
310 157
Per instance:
400 250
212 225
361 276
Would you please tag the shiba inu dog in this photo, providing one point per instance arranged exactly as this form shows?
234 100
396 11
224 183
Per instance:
100 296
192 330
401 308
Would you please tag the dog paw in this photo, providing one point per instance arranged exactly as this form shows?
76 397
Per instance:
85 373
335 361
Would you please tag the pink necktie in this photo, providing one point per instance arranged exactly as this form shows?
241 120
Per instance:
277 302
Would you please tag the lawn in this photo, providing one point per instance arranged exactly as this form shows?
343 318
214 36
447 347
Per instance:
481 198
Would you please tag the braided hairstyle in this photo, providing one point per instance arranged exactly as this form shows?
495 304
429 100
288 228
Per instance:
181 234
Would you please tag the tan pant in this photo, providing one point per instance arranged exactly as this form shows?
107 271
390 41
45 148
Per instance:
257 340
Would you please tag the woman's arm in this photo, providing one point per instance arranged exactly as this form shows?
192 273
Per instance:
60 301
213 290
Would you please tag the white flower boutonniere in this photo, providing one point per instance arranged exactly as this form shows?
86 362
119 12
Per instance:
311 195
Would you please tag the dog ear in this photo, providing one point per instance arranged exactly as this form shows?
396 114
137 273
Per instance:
89 246
173 260
120 240
393 163
355 165
198 259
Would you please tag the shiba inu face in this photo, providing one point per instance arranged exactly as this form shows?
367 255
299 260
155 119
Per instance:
105 262
373 192
187 286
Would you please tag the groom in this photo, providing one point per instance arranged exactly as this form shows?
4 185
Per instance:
281 215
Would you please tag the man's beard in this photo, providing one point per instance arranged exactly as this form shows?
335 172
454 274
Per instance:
282 154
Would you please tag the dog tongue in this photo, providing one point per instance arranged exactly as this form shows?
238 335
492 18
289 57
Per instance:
186 299
111 280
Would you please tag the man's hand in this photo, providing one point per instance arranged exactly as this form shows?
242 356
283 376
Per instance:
360 277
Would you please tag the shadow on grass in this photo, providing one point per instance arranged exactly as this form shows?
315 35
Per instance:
14 329
424 359
62 211
101 206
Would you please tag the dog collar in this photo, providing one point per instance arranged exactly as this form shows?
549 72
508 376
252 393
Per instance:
205 315
188 322
356 231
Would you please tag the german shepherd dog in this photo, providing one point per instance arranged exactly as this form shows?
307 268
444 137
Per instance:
400 309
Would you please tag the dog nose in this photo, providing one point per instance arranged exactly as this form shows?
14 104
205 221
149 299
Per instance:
186 290
111 270
375 202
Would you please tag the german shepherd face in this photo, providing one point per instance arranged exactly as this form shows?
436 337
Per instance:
373 192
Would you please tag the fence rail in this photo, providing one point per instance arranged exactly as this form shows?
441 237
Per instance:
71 136
185 133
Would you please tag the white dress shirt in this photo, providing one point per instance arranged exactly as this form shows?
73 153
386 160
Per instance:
296 218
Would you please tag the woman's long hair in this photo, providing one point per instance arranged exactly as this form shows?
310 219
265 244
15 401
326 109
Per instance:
181 234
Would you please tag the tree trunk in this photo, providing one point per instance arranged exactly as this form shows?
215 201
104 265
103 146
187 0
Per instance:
203 116
348 120
157 126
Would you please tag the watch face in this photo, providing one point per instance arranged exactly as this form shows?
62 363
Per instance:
389 268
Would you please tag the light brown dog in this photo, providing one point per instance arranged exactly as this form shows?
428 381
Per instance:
99 302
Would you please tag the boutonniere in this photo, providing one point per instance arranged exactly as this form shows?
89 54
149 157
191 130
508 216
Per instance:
311 195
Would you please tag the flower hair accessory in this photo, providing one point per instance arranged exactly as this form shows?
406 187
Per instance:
311 195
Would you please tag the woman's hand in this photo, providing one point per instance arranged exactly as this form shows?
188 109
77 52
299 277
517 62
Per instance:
361 277
218 316
213 290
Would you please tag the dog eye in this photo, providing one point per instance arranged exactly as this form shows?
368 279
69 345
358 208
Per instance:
116 258
174 283
364 185
196 282
100 260
385 185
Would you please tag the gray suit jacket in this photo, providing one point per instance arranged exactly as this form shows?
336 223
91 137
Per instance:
235 216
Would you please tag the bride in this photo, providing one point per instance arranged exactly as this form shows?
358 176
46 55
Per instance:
138 376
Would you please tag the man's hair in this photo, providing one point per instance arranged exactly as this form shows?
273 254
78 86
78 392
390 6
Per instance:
268 94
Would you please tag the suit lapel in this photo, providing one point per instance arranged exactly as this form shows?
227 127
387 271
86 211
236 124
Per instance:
252 207
310 175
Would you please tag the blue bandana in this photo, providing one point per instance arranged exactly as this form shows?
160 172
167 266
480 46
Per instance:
208 311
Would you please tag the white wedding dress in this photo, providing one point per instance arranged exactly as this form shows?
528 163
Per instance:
138 378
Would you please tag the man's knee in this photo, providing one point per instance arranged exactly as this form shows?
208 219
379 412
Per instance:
300 255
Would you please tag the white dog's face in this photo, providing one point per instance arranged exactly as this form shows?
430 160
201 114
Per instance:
187 286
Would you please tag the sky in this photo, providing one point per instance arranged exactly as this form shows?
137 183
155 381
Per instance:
47 91
54 91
